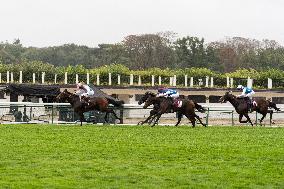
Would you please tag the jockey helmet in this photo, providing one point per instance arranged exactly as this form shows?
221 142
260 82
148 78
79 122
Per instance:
161 89
240 87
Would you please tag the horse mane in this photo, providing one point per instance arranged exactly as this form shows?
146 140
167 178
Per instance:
150 93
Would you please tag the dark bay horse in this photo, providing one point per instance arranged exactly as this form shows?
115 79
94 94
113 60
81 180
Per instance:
241 107
94 103
166 105
153 112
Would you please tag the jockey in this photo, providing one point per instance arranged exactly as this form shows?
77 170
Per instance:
247 92
84 90
167 93
171 93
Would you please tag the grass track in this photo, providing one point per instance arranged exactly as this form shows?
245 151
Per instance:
53 156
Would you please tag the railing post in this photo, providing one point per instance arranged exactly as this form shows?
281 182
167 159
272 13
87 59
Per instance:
249 82
175 81
121 115
171 81
118 79
153 80
52 111
21 77
185 80
207 81
33 77
212 82
160 80
131 79
269 83
191 82
228 82
8 77
42 77
98 79
207 116
65 78
255 118
233 118
232 82
139 80
88 78
109 78
77 79
12 77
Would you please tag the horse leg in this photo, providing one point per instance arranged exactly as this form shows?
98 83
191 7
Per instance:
106 117
81 115
199 119
271 113
240 119
179 118
248 119
263 116
112 111
152 113
191 119
157 116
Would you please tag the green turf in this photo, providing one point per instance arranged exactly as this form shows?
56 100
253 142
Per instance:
52 156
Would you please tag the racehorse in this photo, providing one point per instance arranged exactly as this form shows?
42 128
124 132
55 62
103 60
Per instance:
88 104
153 111
166 105
242 108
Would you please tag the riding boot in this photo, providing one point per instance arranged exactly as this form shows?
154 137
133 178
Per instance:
172 104
250 106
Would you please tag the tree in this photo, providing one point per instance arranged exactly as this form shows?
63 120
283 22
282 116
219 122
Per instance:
190 52
148 50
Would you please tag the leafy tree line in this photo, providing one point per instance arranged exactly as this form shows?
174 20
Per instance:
160 50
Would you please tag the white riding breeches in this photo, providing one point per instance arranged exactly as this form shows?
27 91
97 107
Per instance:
175 95
249 95
83 93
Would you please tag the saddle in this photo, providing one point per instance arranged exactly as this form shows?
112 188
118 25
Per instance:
250 103
85 100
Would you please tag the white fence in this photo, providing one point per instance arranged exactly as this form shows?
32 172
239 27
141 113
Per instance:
27 112
116 80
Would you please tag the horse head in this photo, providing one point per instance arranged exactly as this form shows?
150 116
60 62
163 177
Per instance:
228 95
150 100
145 97
63 96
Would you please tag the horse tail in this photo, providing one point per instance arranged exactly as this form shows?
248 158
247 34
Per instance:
117 103
199 108
273 105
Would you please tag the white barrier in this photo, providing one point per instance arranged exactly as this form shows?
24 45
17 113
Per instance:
217 114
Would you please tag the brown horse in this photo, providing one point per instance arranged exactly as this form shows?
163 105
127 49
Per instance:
242 108
153 112
166 105
94 103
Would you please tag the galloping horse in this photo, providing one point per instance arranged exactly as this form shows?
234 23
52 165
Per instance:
241 107
94 103
153 112
166 105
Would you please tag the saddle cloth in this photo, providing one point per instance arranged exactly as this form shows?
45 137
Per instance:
178 103
254 103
